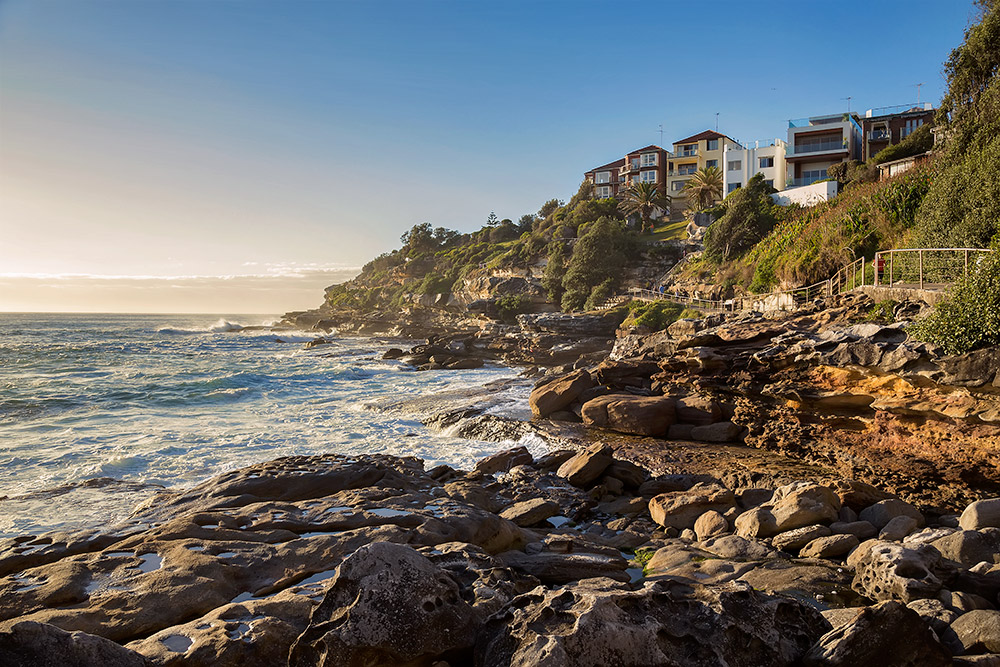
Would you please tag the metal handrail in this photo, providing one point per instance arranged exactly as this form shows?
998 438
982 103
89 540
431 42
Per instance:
895 263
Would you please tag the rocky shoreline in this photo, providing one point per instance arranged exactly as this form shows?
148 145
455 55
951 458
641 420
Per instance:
798 488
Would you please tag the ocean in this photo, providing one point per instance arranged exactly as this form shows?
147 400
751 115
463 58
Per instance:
97 411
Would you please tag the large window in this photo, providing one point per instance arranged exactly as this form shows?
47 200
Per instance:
686 169
647 176
604 177
648 159
604 192
712 163
735 165
910 127
686 150
713 144
770 182
677 186
766 162
811 175
734 186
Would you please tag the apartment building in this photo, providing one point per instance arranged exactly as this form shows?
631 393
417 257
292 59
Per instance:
764 157
887 126
816 143
644 165
705 149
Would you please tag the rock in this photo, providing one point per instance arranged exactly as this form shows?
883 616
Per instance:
984 660
758 522
530 512
563 568
860 529
795 539
717 432
887 634
559 393
898 528
697 410
586 467
680 432
981 514
963 602
504 461
890 571
802 504
598 623
979 631
387 605
637 415
393 353
753 497
31 644
668 483
885 511
927 535
831 546
934 613
734 547
970 547
710 524
680 509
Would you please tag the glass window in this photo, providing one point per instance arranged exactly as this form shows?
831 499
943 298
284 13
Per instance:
766 162
712 163
648 160
713 144
647 176
604 192
770 182
677 186
604 177
735 165
734 186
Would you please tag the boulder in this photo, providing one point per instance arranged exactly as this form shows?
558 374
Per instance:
793 540
31 644
562 568
697 410
756 523
586 467
881 513
981 514
891 571
898 528
934 613
831 546
504 461
631 475
636 415
802 504
860 529
887 634
559 393
717 432
710 524
680 509
598 623
979 631
970 547
387 604
530 512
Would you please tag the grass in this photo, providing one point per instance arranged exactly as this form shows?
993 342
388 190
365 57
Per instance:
667 231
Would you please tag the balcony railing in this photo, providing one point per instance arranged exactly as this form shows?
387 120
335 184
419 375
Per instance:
687 153
822 147
879 135
685 171
799 182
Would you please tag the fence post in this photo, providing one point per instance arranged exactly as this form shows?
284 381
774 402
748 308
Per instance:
891 255
920 261
966 261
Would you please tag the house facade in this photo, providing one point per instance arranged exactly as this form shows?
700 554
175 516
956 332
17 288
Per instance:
890 125
705 149
606 179
819 142
764 157
643 165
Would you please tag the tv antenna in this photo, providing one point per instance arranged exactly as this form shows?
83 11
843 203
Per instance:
661 135
716 121
848 98
918 92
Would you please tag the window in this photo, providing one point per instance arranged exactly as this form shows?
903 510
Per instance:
911 126
686 169
813 175
604 192
770 182
677 186
647 176
712 163
687 150
734 186
713 144
648 159
604 177
766 162
735 165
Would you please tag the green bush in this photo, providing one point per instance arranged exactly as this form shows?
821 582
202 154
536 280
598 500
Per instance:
750 215
969 318
510 305
599 256
654 315
920 141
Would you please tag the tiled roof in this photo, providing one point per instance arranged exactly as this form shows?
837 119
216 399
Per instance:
610 165
707 134
651 147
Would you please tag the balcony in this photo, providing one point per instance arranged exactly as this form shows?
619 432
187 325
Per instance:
879 135
820 147
799 182
687 153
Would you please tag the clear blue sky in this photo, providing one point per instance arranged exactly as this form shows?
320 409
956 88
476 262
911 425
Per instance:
204 139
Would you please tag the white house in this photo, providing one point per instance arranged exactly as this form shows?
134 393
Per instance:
739 164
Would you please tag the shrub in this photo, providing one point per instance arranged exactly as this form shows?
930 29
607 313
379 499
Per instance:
920 141
654 315
510 305
969 318
749 216
599 255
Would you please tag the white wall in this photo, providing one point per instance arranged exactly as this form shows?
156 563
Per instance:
807 195
750 159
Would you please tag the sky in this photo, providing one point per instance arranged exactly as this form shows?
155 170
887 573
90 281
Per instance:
222 156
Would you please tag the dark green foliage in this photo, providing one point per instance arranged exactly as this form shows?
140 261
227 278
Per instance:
548 208
654 315
510 305
600 254
750 215
920 141
969 319
436 284
555 270
600 294
972 67
851 173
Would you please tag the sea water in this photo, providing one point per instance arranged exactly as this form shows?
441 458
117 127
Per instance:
97 411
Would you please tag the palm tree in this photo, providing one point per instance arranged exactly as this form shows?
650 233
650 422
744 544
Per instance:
644 198
704 188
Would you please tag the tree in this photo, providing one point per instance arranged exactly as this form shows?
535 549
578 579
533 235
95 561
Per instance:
548 208
704 188
555 270
492 220
643 199
418 239
598 257
748 218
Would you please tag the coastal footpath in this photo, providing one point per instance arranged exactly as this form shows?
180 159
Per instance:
800 488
